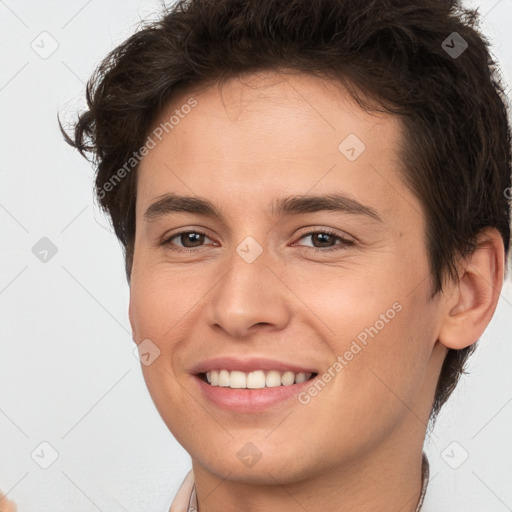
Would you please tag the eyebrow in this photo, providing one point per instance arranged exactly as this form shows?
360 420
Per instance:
291 205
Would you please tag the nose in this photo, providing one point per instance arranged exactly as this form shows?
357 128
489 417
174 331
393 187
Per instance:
250 296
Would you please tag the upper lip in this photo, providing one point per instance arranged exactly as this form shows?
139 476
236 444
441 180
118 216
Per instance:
249 364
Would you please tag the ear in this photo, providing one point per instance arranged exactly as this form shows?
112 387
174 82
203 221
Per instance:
471 303
130 316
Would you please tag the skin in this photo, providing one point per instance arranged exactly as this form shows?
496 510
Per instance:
356 445
6 505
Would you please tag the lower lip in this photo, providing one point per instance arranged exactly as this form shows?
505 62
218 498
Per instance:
250 400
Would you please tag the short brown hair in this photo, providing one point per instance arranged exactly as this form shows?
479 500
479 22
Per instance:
394 52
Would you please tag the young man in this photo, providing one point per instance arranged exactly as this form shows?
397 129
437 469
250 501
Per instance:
312 200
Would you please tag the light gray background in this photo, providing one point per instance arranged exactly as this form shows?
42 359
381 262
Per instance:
68 375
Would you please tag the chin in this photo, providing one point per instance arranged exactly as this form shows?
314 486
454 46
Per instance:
246 466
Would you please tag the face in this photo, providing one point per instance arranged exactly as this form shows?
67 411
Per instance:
308 257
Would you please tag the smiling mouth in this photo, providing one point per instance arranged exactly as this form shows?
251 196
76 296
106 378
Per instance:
258 379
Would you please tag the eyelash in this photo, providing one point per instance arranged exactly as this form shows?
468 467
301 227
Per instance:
344 241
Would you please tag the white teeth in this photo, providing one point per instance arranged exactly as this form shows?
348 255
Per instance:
223 378
288 378
273 379
300 377
257 379
237 380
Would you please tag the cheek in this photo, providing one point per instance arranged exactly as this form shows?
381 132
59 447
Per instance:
384 368
379 336
159 303
157 311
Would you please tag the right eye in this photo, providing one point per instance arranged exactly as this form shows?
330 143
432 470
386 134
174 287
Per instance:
185 238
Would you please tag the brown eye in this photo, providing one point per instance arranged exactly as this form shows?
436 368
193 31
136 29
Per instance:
188 240
191 238
322 238
325 240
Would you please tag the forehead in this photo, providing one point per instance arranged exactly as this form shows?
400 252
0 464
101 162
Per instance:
270 134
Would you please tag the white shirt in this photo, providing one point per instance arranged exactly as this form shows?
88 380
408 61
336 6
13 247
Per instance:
186 498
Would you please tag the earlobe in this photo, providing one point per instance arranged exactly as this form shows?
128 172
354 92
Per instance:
470 304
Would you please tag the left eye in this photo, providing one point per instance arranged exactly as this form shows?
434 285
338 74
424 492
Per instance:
323 236
196 238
